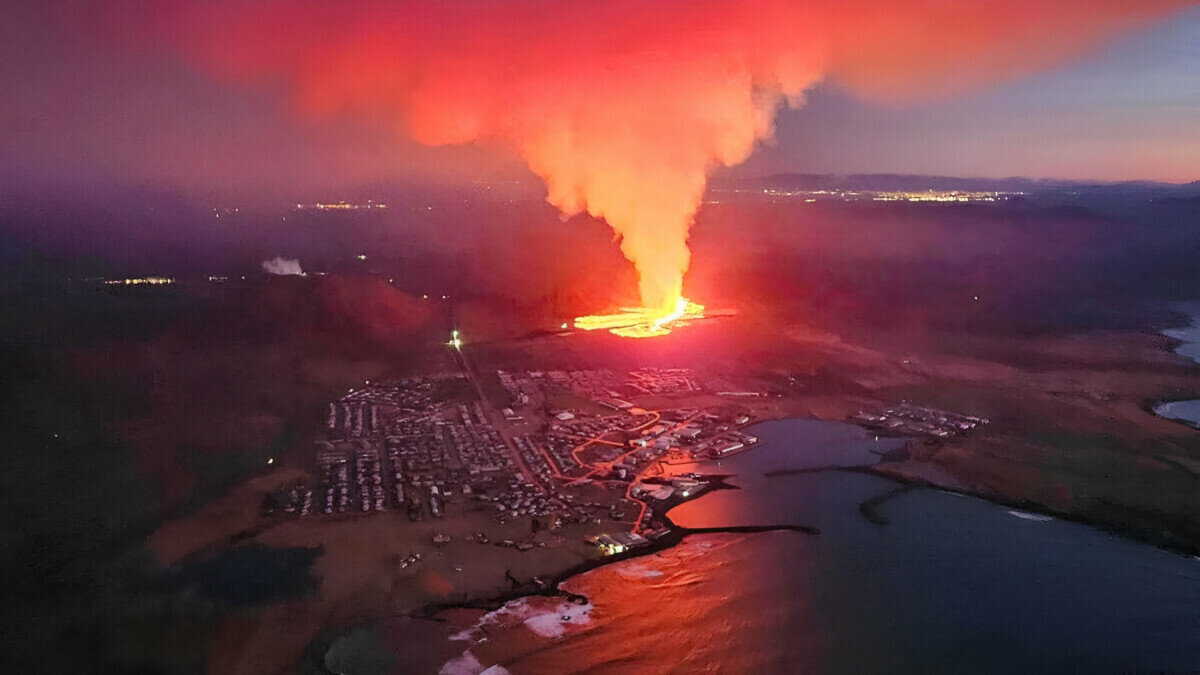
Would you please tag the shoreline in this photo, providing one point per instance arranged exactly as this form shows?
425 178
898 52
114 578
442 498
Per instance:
551 586
904 482
1150 405
1188 549
907 482
1173 345
867 508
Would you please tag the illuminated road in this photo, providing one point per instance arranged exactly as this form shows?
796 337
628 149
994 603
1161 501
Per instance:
550 463
461 360
600 439
637 524
607 466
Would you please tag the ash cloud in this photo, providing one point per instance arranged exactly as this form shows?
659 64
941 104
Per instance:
625 107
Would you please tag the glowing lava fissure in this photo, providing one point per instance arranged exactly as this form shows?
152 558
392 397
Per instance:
642 323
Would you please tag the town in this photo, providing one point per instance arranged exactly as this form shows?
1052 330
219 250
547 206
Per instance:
558 447
917 421
551 448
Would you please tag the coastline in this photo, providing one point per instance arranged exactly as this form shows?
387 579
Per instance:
1168 544
1174 343
904 482
1151 406
550 587
899 468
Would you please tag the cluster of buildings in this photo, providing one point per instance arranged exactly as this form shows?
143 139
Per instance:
574 446
480 448
348 481
520 499
661 490
558 452
620 542
444 452
911 420
536 385
701 435
604 386
141 281
415 460
413 446
422 445
531 456
402 402
663 381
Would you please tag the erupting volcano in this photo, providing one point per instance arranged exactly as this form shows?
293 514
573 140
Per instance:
642 323
623 108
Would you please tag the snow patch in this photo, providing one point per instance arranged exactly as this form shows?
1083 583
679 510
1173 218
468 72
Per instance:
1030 516
548 617
463 664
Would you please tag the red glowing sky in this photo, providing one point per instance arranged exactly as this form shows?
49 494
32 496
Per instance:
115 92
622 108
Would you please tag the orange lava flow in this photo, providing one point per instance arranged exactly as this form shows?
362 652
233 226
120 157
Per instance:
642 323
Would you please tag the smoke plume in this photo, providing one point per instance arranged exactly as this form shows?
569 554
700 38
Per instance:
283 266
624 107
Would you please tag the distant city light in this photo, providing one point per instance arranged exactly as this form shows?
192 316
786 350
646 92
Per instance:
811 196
341 206
140 281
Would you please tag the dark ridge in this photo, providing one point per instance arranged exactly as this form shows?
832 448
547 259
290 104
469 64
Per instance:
868 507
1111 522
776 473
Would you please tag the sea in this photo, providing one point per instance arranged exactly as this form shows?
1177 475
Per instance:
1187 412
933 581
